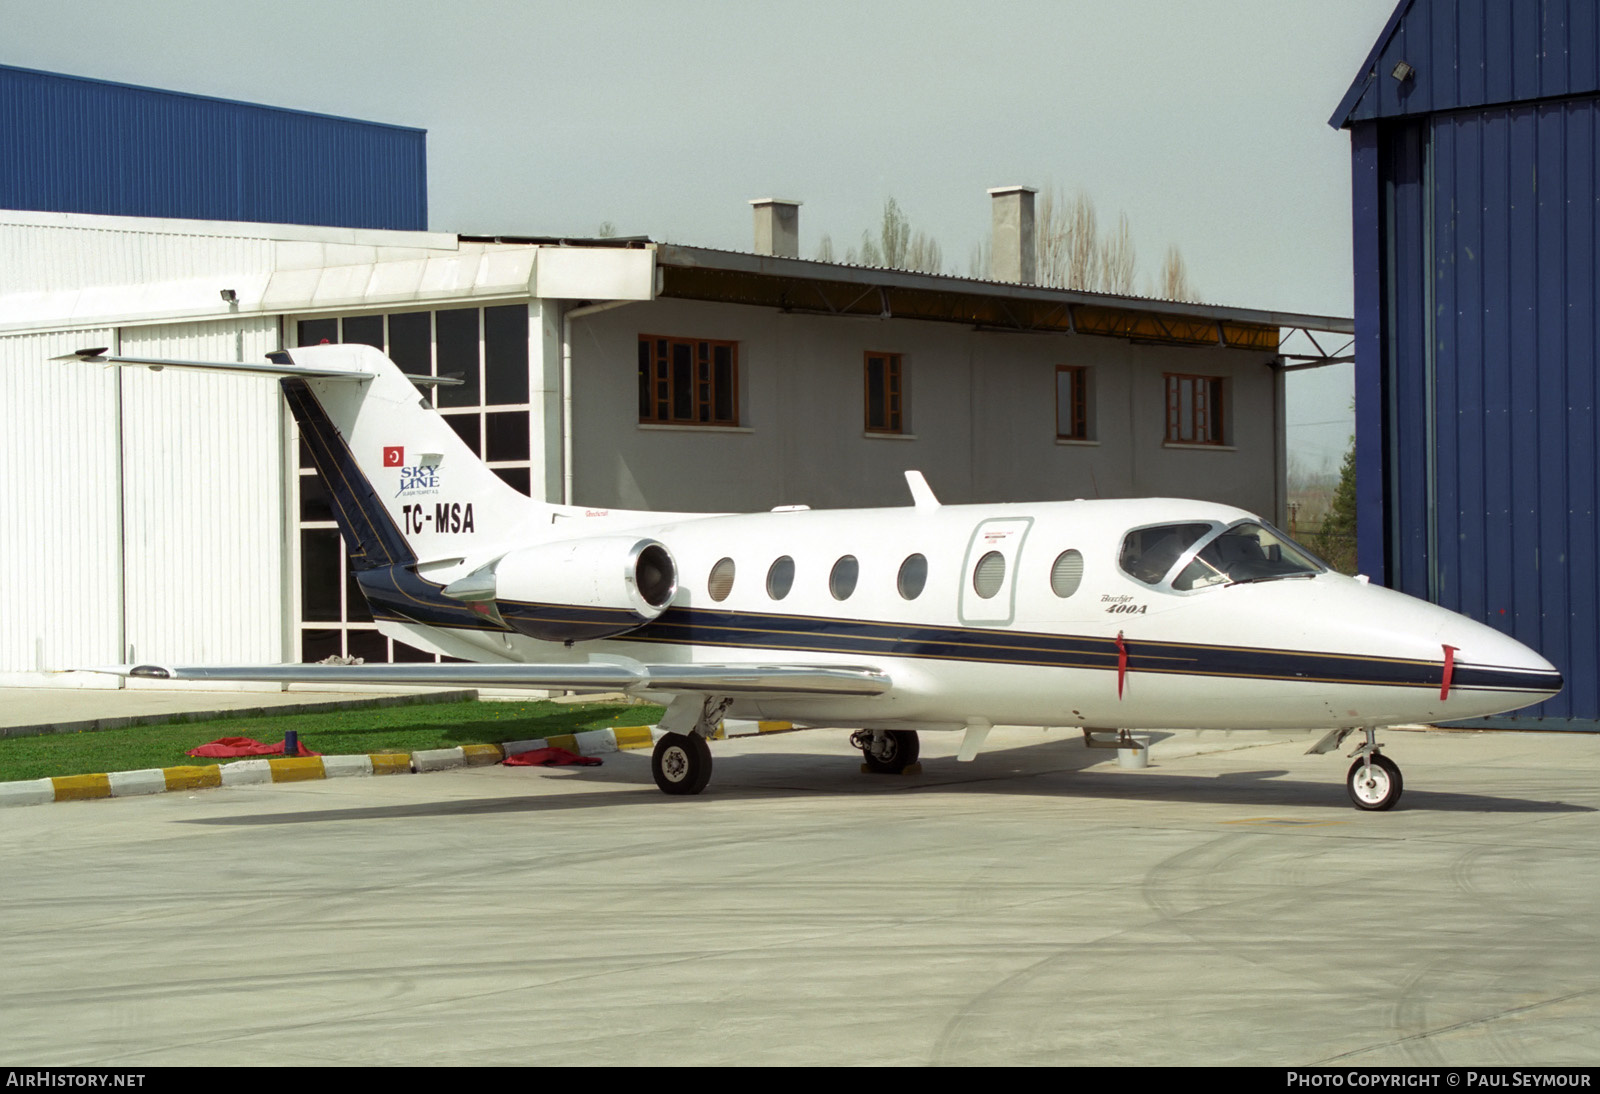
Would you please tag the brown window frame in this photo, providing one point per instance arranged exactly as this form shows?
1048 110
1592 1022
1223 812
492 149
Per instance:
1208 404
1078 428
892 401
712 398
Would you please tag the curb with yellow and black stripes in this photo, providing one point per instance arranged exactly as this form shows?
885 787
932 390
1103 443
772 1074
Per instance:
288 769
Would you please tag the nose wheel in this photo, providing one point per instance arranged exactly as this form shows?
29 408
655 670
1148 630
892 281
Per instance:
1374 782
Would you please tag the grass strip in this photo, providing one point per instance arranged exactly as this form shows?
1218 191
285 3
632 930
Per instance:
343 732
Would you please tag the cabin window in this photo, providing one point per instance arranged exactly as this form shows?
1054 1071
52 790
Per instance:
913 576
688 381
989 574
720 583
1067 573
1072 403
842 580
1196 407
780 578
885 393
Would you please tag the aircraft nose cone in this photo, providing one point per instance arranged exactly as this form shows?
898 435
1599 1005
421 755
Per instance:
1489 660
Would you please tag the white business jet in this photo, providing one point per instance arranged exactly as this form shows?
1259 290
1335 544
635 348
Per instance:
1105 615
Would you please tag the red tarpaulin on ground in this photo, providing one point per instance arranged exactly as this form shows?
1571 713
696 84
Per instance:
243 746
550 757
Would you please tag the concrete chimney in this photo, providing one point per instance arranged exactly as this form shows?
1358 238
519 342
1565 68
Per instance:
1012 239
778 227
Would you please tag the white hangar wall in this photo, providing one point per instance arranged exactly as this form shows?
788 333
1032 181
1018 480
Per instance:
980 416
156 504
61 598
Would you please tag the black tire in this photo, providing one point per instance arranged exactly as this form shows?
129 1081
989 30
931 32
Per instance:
1378 790
898 750
681 763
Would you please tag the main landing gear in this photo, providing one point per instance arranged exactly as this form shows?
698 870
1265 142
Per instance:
887 751
1374 780
681 763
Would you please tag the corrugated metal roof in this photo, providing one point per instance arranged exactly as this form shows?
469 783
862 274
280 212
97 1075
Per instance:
1475 53
804 285
72 144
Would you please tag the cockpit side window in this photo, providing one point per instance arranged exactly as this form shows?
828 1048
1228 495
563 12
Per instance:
1246 551
1189 557
1149 553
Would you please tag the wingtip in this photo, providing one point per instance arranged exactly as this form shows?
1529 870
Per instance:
96 353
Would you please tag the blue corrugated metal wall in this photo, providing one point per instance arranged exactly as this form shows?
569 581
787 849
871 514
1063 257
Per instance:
1477 225
76 145
1470 53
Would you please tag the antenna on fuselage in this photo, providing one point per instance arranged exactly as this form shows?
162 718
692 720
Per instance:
921 493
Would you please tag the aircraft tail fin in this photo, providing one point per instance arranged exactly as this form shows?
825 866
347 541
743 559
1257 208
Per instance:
404 486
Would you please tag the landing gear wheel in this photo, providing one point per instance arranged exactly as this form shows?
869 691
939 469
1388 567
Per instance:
1374 788
681 763
892 751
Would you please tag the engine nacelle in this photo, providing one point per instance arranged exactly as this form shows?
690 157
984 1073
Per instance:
584 589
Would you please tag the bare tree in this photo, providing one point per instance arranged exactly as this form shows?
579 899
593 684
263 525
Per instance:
1082 243
924 254
870 254
895 235
825 249
897 245
980 263
1175 283
1072 253
1117 260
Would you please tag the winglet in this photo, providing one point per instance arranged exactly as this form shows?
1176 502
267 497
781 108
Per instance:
921 493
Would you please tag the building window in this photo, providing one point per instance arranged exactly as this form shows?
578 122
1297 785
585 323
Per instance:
1196 408
1072 403
885 381
687 381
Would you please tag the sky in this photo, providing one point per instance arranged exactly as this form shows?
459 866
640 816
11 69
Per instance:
1203 121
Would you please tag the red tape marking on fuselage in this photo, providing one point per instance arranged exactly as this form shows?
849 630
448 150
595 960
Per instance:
1449 671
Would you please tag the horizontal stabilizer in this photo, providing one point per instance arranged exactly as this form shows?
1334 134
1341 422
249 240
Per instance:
763 680
278 365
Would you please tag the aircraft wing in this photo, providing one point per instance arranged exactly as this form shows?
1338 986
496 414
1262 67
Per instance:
726 680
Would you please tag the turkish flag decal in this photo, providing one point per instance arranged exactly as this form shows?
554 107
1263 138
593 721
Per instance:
394 457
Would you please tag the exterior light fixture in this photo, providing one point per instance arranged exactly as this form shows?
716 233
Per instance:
229 296
1402 72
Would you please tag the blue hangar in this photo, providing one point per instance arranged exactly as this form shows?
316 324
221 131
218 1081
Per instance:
76 145
1475 138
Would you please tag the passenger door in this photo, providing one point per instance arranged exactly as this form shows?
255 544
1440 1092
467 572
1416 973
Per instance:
989 572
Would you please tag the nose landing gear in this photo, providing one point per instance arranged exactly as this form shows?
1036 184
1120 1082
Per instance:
1374 780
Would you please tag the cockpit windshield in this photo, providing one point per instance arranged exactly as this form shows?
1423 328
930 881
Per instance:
1194 556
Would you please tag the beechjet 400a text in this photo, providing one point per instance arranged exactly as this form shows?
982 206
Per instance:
1107 615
